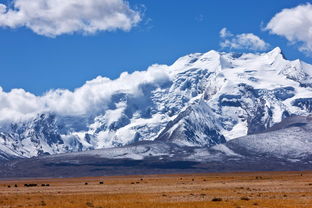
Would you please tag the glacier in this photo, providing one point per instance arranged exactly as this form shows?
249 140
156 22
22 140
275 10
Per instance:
201 100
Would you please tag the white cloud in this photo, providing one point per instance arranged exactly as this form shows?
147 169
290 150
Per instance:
56 17
224 33
246 41
92 97
295 25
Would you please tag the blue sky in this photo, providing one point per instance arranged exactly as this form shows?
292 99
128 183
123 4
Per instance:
167 30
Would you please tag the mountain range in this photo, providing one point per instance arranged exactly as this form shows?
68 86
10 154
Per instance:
206 108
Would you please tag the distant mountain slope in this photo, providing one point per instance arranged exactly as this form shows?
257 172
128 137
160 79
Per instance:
291 140
200 100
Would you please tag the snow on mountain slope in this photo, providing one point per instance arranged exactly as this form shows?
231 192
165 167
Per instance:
292 142
196 126
136 152
200 100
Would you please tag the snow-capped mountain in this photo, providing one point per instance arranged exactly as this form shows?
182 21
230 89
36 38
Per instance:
200 100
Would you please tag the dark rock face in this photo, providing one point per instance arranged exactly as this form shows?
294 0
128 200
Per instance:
284 93
261 120
230 100
304 103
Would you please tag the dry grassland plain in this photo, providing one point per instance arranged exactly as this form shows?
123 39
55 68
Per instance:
235 190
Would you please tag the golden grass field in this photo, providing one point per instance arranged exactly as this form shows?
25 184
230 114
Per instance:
236 190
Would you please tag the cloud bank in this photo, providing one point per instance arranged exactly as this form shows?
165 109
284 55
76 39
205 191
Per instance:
245 41
93 96
295 25
56 17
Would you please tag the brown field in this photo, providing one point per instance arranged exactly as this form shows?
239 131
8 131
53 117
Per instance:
237 190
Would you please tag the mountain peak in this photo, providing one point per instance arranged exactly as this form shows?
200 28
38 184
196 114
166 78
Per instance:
276 52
